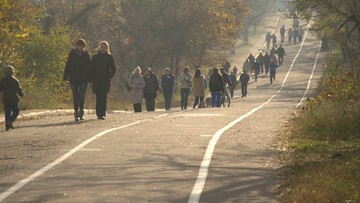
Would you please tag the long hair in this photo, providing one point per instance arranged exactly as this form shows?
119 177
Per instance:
106 44
215 74
197 73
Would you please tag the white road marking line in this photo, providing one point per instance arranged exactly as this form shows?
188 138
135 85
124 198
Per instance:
51 165
204 167
311 76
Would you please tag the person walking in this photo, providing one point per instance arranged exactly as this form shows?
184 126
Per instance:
268 40
260 59
235 70
102 71
246 66
227 65
290 34
233 83
77 72
300 33
266 62
185 80
137 84
216 85
274 40
199 88
281 53
244 80
296 35
272 67
150 89
282 34
11 89
167 86
256 69
251 60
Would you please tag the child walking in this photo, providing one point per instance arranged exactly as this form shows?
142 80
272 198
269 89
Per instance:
11 89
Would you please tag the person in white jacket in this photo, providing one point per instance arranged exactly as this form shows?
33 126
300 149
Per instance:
137 84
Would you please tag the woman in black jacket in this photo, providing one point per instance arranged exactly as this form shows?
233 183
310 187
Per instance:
77 72
103 70
151 88
216 85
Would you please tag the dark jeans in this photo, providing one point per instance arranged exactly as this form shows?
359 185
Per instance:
197 100
282 38
101 97
272 76
168 100
150 103
137 107
232 89
281 59
216 99
244 90
184 92
78 91
11 112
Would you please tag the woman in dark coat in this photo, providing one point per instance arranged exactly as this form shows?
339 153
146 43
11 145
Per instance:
103 70
216 85
151 88
77 72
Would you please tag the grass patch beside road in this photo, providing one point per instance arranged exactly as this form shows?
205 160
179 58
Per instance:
322 161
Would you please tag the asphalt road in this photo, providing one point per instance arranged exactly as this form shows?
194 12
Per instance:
205 155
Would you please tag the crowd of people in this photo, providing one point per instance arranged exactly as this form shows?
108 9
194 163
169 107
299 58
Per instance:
97 71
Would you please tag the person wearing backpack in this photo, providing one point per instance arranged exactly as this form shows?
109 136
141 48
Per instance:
136 83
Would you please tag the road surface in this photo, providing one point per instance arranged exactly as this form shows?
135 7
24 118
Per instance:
201 155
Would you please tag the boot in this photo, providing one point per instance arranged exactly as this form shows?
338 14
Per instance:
7 127
76 115
81 115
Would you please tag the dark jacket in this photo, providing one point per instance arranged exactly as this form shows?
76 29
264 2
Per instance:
167 83
151 85
226 79
244 78
102 71
281 51
257 67
11 88
266 59
77 67
273 68
216 83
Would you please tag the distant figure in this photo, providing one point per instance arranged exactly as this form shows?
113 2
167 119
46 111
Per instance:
295 35
290 34
272 51
227 66
167 86
216 85
256 69
150 89
266 62
296 23
185 80
281 53
282 34
246 66
77 72
274 40
233 83
11 88
268 40
300 33
260 59
235 70
244 79
137 84
199 83
103 70
272 67
251 60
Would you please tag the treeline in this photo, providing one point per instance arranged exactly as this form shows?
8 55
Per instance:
37 35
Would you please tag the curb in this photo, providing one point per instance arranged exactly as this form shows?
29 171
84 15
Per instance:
57 112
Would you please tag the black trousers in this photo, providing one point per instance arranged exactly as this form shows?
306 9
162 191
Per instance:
168 100
101 99
184 93
244 90
272 76
281 59
150 103
198 100
137 107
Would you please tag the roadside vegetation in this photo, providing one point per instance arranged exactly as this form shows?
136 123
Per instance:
322 142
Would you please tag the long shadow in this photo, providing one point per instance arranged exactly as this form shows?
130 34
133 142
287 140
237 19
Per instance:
67 123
